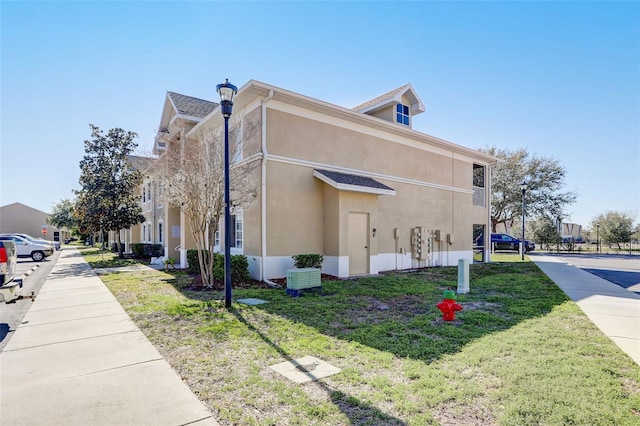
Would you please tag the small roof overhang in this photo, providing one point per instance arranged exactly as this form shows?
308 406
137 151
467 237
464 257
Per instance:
355 183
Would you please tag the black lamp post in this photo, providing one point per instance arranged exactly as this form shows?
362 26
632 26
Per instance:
523 187
226 91
597 238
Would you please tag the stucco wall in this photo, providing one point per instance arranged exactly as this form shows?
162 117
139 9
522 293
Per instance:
294 210
306 215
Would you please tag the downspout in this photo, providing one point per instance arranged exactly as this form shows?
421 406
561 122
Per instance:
489 230
263 193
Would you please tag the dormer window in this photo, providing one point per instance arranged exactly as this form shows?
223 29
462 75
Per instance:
402 114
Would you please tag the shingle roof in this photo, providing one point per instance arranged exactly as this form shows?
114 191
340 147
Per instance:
381 98
194 107
357 180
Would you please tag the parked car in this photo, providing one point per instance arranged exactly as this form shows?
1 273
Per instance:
8 260
54 244
25 248
507 242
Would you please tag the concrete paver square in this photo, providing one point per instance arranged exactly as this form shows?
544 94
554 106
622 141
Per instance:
251 301
305 369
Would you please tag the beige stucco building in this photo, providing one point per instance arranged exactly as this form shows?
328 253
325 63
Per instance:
357 185
23 219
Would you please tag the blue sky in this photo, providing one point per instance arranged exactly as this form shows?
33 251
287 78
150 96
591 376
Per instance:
561 79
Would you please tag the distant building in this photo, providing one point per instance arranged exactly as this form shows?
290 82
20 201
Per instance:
571 232
23 219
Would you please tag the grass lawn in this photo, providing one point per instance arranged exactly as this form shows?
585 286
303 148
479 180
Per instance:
519 353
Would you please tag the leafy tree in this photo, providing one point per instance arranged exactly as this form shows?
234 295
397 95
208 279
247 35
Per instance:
545 180
62 215
545 232
615 227
107 200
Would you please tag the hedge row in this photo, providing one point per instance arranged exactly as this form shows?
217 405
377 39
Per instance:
140 250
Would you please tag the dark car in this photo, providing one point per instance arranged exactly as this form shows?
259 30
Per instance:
507 242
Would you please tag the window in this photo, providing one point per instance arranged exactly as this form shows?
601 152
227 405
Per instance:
402 114
160 233
146 232
237 230
478 176
237 234
478 185
159 195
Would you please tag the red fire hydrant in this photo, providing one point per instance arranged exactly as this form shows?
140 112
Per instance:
448 306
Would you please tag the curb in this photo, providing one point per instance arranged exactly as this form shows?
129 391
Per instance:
30 271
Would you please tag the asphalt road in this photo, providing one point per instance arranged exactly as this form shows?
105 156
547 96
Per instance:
35 274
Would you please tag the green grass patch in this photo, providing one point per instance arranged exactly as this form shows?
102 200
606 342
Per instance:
98 258
519 353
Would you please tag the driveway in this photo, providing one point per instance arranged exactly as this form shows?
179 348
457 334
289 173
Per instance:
620 269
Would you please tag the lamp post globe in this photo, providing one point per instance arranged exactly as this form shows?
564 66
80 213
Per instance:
523 188
226 91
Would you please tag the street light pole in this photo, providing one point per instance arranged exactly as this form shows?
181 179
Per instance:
597 238
523 187
226 91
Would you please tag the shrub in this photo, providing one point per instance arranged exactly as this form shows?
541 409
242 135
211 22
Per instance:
192 258
140 250
308 260
239 266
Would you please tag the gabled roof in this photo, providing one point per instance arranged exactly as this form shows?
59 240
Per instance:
141 163
18 205
391 98
187 105
357 183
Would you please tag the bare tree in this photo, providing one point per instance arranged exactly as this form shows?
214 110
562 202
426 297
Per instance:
191 171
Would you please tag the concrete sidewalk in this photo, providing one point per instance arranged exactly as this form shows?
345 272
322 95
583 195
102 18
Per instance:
613 309
78 359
